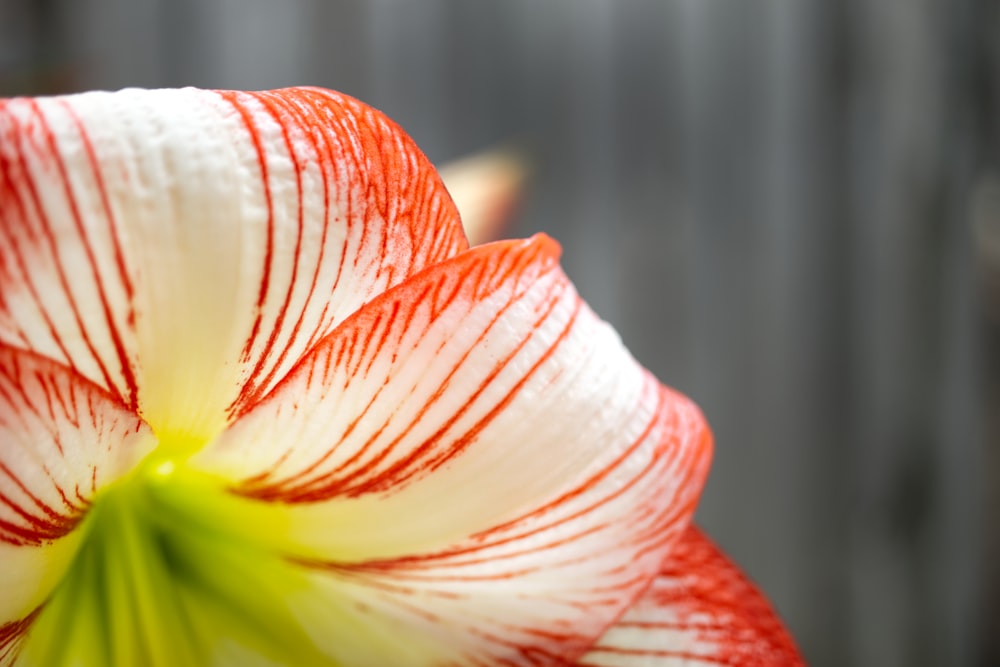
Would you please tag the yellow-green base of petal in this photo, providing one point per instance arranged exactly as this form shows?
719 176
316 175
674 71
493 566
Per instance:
174 570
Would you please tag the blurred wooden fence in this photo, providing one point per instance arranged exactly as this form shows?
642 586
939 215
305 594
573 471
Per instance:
772 201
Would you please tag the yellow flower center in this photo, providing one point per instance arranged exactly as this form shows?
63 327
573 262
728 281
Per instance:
173 569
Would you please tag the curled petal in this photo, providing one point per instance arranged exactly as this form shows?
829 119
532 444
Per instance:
149 236
490 469
63 439
700 610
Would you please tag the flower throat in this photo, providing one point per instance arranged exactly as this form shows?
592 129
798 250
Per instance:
172 569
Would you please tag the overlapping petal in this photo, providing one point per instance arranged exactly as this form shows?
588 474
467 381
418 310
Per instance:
700 610
376 448
489 466
183 249
63 439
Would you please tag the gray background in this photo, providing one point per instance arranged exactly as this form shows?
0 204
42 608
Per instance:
790 210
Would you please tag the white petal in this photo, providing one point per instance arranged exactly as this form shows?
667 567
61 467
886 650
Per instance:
700 610
63 440
475 455
184 248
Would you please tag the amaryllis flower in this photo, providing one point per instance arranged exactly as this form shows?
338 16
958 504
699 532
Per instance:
261 405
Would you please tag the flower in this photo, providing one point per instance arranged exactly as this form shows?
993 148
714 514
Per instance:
260 404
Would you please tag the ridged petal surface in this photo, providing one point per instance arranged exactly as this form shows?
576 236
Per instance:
474 463
183 248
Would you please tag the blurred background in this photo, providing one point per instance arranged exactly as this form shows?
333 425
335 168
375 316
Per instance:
790 209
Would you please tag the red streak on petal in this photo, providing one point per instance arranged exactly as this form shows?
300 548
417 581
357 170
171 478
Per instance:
14 217
27 183
11 635
236 100
289 112
123 276
255 385
70 197
41 402
711 600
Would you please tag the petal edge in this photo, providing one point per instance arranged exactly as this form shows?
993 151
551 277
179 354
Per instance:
700 610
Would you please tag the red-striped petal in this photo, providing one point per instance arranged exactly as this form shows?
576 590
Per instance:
63 438
700 610
184 248
12 636
474 458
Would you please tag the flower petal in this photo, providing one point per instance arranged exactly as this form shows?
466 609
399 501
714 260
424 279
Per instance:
700 610
12 637
183 248
486 188
63 439
475 457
